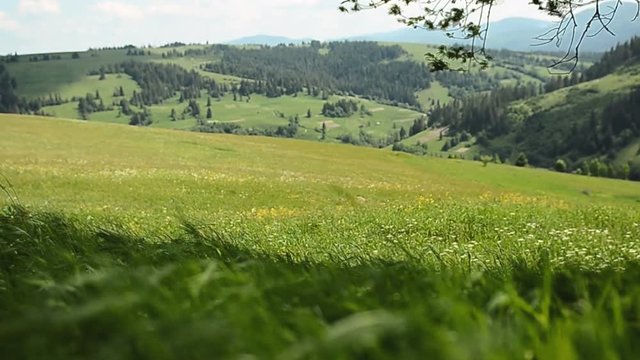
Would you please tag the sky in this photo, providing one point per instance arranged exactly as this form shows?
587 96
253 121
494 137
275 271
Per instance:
36 26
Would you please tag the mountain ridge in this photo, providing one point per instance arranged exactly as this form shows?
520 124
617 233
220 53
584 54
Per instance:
514 33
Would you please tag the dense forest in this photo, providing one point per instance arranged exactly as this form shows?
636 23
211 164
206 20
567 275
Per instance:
483 114
356 68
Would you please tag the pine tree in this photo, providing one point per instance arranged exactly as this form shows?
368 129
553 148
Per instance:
403 133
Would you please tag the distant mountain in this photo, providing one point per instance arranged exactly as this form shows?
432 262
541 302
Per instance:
519 34
266 40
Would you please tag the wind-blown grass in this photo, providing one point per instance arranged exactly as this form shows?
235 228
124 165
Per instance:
70 291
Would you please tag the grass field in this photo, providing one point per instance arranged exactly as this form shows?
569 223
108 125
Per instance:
121 242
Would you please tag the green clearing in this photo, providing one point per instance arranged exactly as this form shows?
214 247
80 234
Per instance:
259 112
148 243
629 153
48 77
436 92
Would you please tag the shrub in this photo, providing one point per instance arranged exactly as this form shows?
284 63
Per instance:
560 166
522 160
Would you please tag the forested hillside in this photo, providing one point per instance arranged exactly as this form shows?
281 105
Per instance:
359 68
589 119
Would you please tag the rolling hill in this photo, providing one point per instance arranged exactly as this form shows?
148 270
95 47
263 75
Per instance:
380 121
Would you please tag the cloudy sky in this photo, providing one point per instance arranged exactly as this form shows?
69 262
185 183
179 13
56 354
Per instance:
28 26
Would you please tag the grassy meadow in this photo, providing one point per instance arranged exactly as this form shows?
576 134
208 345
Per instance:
121 242
260 112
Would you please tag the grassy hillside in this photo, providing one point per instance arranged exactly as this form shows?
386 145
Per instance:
43 154
259 112
124 242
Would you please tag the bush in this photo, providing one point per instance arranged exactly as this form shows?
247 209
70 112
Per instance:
522 160
486 159
560 166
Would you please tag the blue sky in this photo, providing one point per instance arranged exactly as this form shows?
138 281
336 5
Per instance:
28 26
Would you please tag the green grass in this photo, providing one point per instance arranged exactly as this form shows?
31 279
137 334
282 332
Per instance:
121 242
89 85
71 291
596 90
436 92
66 150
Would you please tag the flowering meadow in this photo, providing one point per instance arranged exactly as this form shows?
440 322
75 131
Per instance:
119 242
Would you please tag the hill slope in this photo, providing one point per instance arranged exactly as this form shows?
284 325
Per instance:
594 119
137 162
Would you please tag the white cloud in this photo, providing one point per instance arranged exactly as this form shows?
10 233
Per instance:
119 9
39 6
7 23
